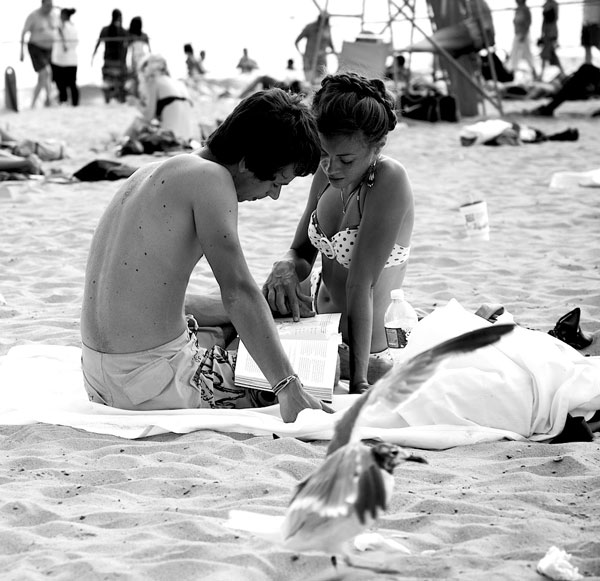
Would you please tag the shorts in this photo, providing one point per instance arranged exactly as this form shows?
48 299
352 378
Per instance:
40 57
177 375
590 35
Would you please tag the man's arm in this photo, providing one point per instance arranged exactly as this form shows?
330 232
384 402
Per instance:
100 39
26 29
215 215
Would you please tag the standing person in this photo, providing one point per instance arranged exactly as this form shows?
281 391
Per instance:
64 59
114 69
549 39
246 64
138 351
138 48
590 29
521 48
317 36
41 27
194 68
359 217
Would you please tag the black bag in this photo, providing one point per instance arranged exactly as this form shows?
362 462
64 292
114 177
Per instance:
103 169
430 107
502 74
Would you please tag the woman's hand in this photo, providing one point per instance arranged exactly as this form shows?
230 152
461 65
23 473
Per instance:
283 293
359 387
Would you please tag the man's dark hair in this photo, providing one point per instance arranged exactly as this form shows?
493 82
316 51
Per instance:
269 129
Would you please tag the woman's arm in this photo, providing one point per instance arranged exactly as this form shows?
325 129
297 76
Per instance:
387 219
282 287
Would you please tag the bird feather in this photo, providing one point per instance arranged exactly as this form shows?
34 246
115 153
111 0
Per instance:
394 387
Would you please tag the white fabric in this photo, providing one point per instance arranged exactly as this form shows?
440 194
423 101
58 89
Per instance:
485 130
526 383
520 389
68 57
571 179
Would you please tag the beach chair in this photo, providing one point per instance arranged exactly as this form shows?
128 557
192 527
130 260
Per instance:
364 57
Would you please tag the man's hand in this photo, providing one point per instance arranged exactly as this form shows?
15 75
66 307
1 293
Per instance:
293 399
283 293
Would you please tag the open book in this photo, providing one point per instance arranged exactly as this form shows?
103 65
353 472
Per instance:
311 345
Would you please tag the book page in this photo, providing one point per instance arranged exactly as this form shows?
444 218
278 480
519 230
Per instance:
311 347
320 326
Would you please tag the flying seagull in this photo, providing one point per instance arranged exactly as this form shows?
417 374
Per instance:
352 486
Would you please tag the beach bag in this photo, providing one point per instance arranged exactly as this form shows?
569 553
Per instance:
502 74
430 107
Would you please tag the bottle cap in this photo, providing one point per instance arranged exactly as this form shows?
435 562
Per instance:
398 294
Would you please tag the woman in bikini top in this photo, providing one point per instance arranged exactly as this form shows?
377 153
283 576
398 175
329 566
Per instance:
358 218
341 245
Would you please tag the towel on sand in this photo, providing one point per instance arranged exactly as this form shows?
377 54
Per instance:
523 387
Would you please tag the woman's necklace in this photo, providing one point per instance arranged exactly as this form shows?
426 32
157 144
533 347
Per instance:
370 178
346 202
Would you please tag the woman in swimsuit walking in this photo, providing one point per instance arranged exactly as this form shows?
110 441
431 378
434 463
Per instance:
359 217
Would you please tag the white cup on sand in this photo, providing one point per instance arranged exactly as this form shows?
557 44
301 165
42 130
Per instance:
477 224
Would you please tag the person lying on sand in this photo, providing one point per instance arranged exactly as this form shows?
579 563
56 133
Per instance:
15 164
138 351
45 149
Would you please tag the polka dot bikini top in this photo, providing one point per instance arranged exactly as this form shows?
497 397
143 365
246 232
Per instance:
341 245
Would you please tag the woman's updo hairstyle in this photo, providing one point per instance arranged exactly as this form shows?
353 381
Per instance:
348 102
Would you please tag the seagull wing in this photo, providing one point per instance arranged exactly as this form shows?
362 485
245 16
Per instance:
348 485
395 386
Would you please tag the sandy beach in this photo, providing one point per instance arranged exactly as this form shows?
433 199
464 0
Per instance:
80 505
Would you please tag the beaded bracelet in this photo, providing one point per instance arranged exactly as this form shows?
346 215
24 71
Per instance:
277 388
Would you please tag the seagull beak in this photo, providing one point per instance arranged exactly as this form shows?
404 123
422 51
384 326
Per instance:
413 458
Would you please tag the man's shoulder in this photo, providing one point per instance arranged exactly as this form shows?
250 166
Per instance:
191 167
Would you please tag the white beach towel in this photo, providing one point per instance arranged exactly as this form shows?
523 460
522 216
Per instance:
520 388
572 179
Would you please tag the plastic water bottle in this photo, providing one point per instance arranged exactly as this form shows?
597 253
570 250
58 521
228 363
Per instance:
399 320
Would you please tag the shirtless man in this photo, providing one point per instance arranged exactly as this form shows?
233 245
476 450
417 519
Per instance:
41 25
137 351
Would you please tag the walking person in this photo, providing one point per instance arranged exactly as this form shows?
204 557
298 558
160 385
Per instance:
549 39
521 48
40 27
137 50
246 64
590 28
114 69
64 59
317 36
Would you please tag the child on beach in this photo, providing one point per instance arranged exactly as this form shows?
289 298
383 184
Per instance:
359 218
138 351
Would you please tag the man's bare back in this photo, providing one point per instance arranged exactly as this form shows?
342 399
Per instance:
141 258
